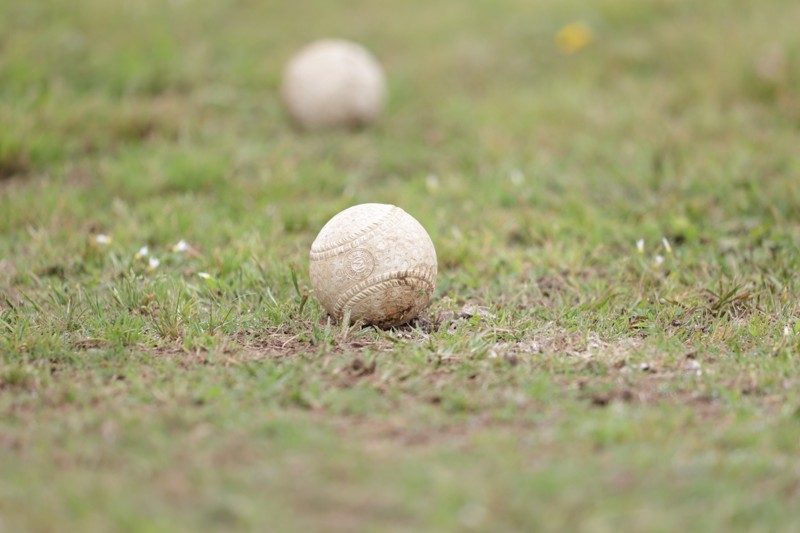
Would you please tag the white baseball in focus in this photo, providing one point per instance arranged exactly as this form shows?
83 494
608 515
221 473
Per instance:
333 83
375 261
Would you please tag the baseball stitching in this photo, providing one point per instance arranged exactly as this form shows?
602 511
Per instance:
376 284
355 240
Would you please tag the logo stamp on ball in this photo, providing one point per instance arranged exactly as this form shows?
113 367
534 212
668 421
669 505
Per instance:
360 263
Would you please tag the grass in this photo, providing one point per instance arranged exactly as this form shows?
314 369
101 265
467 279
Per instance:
561 380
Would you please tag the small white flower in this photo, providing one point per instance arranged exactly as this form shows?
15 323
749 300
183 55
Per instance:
204 275
787 331
181 246
640 246
432 182
667 247
657 260
153 263
143 252
102 239
516 177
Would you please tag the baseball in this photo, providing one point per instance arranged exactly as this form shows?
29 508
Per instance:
333 83
376 262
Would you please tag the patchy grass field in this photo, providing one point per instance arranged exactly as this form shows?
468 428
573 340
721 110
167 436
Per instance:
562 380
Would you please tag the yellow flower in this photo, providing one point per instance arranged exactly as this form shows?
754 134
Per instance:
573 37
